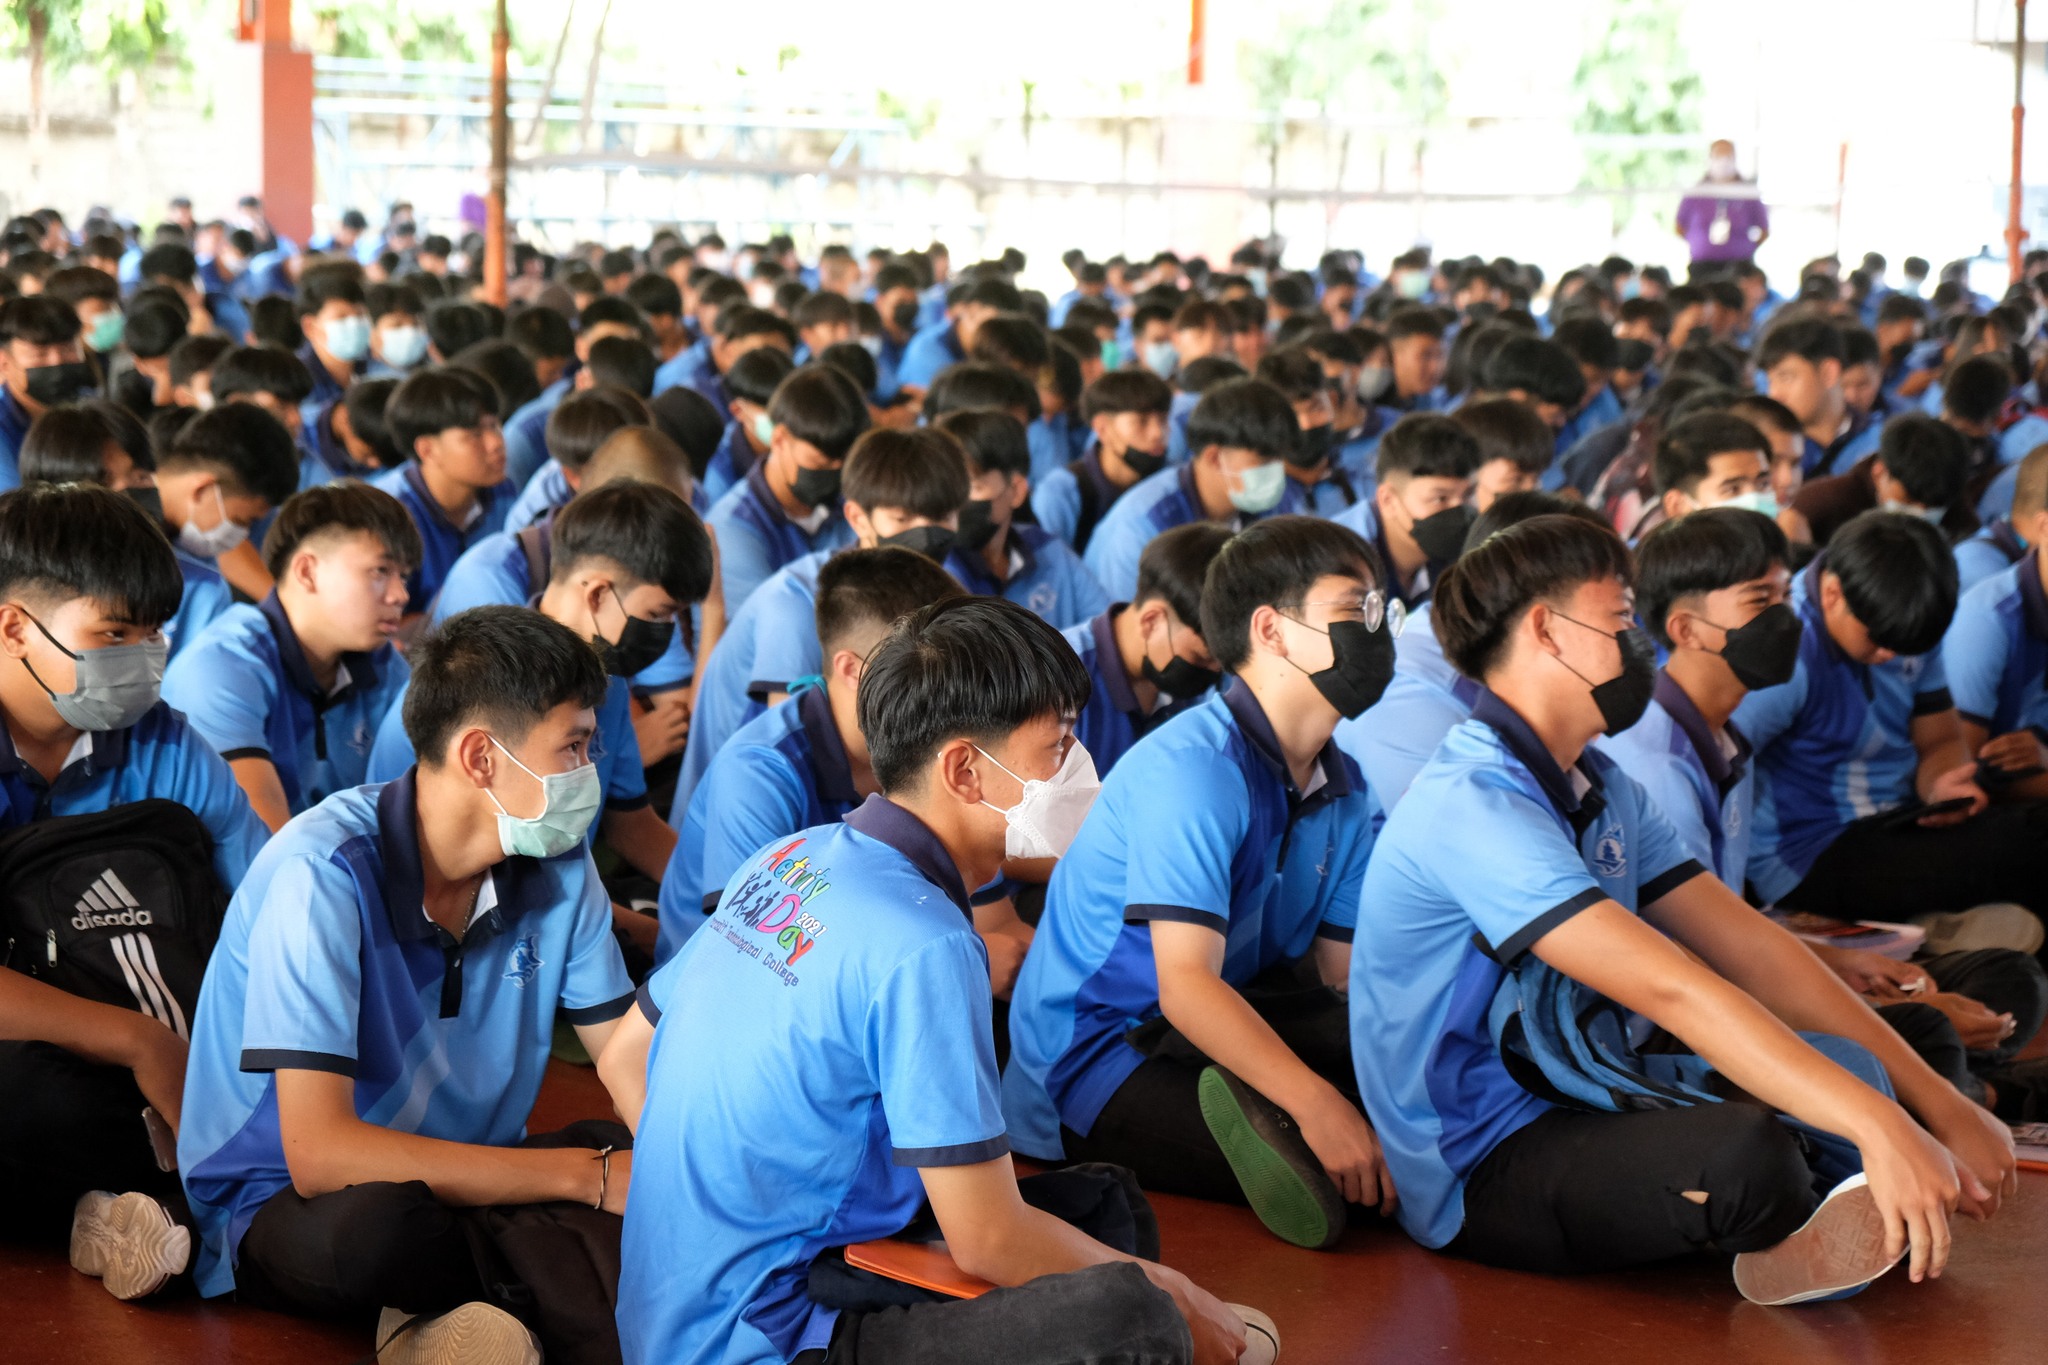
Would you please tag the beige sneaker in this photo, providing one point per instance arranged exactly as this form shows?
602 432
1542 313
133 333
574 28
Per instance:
128 1242
2000 924
1836 1253
473 1334
1261 1337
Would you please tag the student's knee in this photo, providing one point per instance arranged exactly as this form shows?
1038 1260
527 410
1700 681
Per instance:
1117 1305
1758 1186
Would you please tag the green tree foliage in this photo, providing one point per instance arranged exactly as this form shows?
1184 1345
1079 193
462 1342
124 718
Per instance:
1635 78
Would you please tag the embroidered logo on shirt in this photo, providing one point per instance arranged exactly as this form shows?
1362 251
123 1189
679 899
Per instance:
1732 821
1610 855
526 963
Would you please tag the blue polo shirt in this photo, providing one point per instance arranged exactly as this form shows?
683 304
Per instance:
1858 438
928 352
1043 576
1338 490
1996 652
614 748
1177 413
1236 849
1493 847
2019 439
784 770
442 542
1425 701
1055 441
328 962
206 595
1994 548
683 369
1112 721
1833 746
1364 518
526 431
14 425
327 390
494 572
545 492
245 685
159 756
865 1055
322 456
730 463
1604 409
1057 499
756 537
1358 449
1699 782
1159 503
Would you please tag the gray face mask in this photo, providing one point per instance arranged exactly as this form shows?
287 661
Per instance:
113 687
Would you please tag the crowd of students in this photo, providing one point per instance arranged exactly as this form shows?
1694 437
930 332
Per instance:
1425 745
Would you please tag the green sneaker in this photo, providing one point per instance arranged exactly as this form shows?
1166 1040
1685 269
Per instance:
1285 1184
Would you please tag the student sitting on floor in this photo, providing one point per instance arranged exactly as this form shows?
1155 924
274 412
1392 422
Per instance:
576 428
1708 459
376 1017
42 366
1228 845
291 691
1126 411
803 761
1712 591
1996 654
882 985
445 423
1419 513
749 432
86 582
347 438
995 556
1516 448
1325 477
1522 862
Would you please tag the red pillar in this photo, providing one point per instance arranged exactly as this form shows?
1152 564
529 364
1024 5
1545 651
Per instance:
284 131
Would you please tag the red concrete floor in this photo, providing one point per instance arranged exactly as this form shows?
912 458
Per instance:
1377 1298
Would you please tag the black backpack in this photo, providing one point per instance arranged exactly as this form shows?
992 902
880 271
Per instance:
121 906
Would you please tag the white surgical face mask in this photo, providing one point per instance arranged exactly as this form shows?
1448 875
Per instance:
1931 515
569 803
1721 167
1046 818
218 539
1259 488
404 347
1373 381
348 338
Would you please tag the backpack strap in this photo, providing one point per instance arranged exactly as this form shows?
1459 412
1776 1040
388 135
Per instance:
534 544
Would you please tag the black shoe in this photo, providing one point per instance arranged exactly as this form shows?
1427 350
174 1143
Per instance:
1284 1182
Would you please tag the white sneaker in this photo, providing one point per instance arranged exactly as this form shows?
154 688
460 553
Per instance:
128 1242
1836 1253
473 1334
1261 1337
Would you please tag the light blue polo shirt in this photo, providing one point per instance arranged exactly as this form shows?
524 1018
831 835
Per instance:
1994 548
785 769
547 491
159 756
206 595
245 685
685 368
1112 721
1833 746
843 995
1199 823
1044 577
1152 505
1996 651
1426 700
328 962
1702 785
1491 849
756 537
729 463
526 431
442 542
930 350
1056 499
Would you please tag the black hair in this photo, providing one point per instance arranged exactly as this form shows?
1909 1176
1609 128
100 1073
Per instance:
1656 312
250 450
1508 429
922 471
1126 391
737 324
1541 368
623 363
541 332
1812 339
38 320
1975 389
330 282
994 293
502 667
60 541
1705 360
585 420
1340 348
1688 444
69 444
655 295
1761 410
692 421
650 532
74 284
1427 445
168 261
454 326
873 589
274 322
1480 598
1588 339
823 306
1200 376
197 355
1413 321
1859 347
820 406
1244 414
1295 371
850 358
1174 566
507 370
974 668
1898 578
974 385
260 369
344 505
365 404
994 441
1705 552
1014 340
438 400
756 375
1512 509
1897 307
1273 563
1927 455
153 329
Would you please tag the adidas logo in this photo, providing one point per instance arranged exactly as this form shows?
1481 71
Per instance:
107 904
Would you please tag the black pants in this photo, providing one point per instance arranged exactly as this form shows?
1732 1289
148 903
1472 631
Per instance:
2004 981
1153 1123
1580 1191
68 1126
389 1244
1869 872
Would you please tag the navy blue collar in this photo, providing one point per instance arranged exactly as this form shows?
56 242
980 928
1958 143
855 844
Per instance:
883 820
1186 482
2000 533
418 483
1724 772
362 668
1529 749
331 452
109 750
831 769
1109 665
1251 719
520 883
1088 470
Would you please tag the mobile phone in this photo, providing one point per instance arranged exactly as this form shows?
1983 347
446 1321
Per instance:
1911 815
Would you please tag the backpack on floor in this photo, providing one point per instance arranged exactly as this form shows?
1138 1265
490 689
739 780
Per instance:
121 906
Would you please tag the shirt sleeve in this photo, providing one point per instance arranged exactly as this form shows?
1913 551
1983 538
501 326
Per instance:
1765 715
1113 553
305 972
1180 870
1082 598
626 781
785 639
931 1055
1056 502
1505 860
203 783
392 754
595 986
1930 689
744 563
1662 857
750 797
225 694
1974 655
1346 878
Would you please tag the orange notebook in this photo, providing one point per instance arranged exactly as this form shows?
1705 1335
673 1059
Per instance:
2030 1145
928 1265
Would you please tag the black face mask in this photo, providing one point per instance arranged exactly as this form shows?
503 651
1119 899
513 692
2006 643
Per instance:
1765 652
1623 698
56 385
150 501
904 316
1145 463
1313 447
933 542
1361 666
977 525
1441 535
1180 679
640 644
814 487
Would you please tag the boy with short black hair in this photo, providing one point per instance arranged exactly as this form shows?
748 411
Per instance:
1516 448
445 423
1801 359
226 471
579 424
348 439
1920 467
995 556
1712 459
272 380
291 691
749 430
1415 345
335 318
1326 482
1418 515
1127 412
42 365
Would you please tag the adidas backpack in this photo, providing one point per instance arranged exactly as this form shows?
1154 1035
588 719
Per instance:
121 906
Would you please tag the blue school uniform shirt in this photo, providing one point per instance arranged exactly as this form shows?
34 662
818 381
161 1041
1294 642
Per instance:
1603 410
1993 548
327 390
245 685
205 597
931 350
683 369
328 962
322 456
1859 437
1703 786
160 756
1112 721
442 542
1055 442
1151 505
1364 518
784 770
1358 449
1996 651
1340 489
865 1056
1996 504
756 537
1492 837
730 463
1199 823
1425 701
1833 745
545 492
1177 413
14 425
526 432
1043 576
2017 440
1056 499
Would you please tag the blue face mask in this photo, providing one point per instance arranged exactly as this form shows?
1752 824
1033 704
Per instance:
348 338
1260 488
1161 358
404 347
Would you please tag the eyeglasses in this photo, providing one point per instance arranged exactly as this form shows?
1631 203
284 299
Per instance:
1376 609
